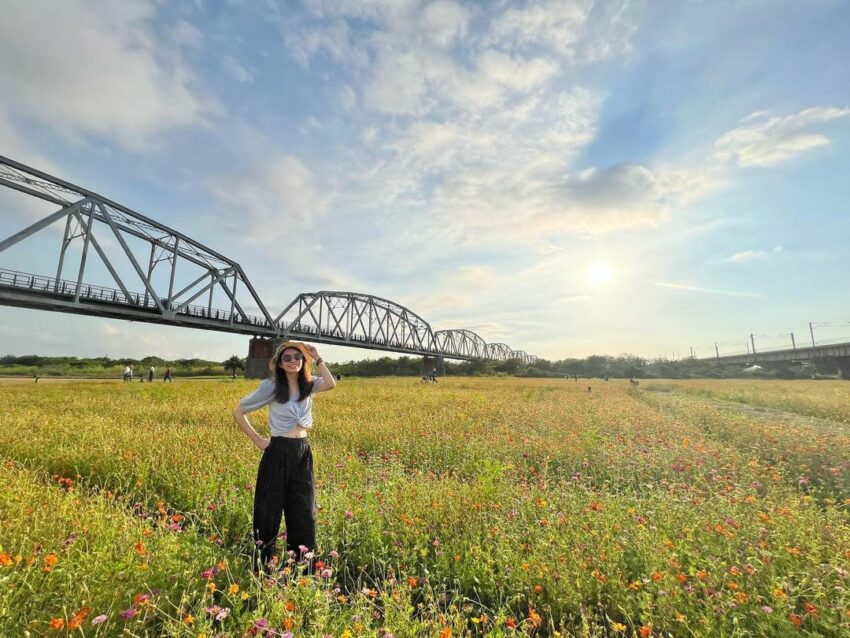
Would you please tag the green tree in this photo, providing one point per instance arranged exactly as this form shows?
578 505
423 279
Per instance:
233 364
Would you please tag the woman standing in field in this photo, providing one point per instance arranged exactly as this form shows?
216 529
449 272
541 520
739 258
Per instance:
285 476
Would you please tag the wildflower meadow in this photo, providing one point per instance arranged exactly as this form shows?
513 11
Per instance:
471 507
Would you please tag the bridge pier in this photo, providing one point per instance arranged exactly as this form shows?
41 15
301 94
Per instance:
843 365
430 364
260 350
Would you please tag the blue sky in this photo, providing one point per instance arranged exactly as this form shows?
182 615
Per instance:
568 177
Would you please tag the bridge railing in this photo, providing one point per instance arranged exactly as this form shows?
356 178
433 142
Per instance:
104 294
65 288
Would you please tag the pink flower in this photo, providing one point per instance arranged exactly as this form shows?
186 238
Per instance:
327 572
348 515
435 542
129 613
99 619
261 623
224 613
333 553
303 549
209 573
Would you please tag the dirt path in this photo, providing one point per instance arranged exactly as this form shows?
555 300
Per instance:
678 402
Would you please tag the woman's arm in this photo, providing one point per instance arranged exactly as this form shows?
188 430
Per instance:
245 426
328 381
254 401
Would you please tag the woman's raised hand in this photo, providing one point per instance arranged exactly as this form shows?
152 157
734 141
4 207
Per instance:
312 351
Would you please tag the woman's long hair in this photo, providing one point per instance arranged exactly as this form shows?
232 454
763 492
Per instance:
305 378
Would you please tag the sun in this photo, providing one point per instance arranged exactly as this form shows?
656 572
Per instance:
598 274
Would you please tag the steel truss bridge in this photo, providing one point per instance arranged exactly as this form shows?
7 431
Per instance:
93 223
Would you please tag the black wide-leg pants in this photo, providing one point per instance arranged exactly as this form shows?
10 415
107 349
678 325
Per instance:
285 487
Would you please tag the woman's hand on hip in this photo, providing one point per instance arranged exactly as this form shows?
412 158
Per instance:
263 443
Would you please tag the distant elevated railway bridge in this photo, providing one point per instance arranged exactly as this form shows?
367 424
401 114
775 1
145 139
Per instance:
836 352
162 276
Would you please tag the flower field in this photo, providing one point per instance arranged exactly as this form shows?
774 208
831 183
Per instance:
480 507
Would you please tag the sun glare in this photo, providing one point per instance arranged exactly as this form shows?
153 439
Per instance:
598 274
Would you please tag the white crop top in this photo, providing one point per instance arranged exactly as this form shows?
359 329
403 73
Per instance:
283 417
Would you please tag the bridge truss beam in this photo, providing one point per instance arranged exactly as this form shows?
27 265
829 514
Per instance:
93 222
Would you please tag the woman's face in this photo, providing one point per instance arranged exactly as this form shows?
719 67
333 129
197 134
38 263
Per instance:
295 360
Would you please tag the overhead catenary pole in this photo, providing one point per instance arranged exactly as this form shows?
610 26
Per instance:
753 342
716 350
812 332
793 343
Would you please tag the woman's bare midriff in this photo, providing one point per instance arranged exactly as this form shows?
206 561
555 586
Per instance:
298 432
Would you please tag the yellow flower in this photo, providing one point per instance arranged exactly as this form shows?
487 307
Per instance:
618 627
188 619
234 588
211 586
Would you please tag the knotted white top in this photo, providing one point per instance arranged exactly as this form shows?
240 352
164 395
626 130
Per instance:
283 417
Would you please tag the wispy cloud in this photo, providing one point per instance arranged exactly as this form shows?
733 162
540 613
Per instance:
712 291
762 140
124 83
750 255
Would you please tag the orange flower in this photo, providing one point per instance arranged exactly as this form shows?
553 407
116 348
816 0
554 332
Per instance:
702 574
233 589
534 618
188 619
810 609
510 621
411 581
645 631
5 559
77 621
50 562
57 623
656 576
288 624
538 589
796 619
139 548
445 632
290 606
742 597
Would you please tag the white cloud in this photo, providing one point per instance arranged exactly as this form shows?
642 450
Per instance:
94 68
277 200
558 23
578 30
235 70
762 140
186 35
445 21
750 255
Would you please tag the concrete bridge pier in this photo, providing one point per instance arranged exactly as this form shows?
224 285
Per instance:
433 363
843 365
260 350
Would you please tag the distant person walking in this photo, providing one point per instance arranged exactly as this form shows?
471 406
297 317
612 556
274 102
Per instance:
128 374
166 377
150 375
285 477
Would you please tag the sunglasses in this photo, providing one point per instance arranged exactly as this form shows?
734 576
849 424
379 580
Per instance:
292 357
